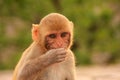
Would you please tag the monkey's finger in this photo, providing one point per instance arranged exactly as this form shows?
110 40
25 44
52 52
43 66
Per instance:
62 56
60 49
56 50
63 53
60 60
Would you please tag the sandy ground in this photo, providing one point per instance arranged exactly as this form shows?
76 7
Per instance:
84 73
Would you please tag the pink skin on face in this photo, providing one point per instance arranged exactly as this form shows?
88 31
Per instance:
57 40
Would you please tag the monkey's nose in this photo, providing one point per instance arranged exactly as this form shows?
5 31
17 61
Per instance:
59 44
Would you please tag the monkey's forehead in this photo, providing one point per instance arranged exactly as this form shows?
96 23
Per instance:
48 30
55 25
56 29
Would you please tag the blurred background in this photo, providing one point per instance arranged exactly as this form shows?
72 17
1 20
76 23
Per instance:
96 28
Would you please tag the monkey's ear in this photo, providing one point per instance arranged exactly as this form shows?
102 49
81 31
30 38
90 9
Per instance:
35 32
72 25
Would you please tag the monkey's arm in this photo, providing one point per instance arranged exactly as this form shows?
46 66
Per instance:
32 67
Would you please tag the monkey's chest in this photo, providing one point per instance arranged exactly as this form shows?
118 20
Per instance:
54 72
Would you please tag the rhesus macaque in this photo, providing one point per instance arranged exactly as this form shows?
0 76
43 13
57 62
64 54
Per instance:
49 56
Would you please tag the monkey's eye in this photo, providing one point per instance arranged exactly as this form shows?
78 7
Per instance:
64 34
52 36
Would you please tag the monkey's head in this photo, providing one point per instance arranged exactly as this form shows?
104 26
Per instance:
54 31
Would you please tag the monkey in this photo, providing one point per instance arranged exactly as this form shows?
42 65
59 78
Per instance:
49 56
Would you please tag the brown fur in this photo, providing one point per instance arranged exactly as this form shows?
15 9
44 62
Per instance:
38 63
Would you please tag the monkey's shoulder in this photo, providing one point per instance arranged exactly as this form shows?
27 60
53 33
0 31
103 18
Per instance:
70 53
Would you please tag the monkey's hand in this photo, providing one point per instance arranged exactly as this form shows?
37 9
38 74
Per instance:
55 55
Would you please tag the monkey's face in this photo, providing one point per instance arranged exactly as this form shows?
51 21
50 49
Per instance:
57 40
56 31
